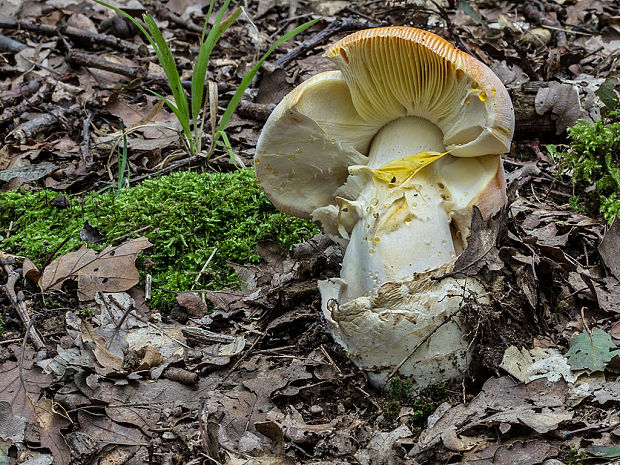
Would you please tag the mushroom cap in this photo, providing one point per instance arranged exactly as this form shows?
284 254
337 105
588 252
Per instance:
328 122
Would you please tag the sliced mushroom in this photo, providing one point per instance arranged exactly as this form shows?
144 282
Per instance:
389 155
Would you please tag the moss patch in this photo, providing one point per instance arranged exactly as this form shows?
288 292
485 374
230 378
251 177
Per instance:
593 162
189 216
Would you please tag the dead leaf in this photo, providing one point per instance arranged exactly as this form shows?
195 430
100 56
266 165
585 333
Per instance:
516 453
106 359
111 270
540 405
192 302
30 270
610 245
379 450
90 233
50 424
12 426
29 172
562 100
98 433
481 250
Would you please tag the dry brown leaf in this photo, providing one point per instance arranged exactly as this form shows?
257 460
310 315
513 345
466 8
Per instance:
609 248
517 453
106 359
50 424
192 302
30 270
111 270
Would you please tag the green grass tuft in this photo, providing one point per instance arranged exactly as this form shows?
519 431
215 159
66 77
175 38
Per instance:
190 214
593 162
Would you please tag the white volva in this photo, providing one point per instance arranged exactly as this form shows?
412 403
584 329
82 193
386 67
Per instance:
389 155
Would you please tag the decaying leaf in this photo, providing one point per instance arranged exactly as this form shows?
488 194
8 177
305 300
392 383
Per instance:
106 359
516 453
591 351
610 245
562 100
12 426
111 270
481 249
50 423
608 452
539 405
528 365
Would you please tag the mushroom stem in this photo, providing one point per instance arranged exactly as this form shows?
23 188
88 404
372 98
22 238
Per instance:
403 228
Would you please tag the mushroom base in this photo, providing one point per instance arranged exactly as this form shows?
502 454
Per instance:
411 329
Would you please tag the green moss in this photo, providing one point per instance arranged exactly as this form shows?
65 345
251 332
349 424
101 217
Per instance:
572 455
189 216
593 161
401 394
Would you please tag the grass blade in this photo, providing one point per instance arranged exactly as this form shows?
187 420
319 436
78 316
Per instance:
164 54
247 79
206 47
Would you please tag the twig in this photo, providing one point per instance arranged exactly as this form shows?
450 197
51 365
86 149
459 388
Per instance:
256 111
80 58
9 45
330 359
204 268
243 357
54 252
594 428
129 234
333 28
165 13
461 270
7 342
167 169
126 311
87 156
20 305
38 93
75 33
12 97
148 287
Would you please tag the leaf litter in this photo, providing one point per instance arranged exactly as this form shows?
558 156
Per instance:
248 375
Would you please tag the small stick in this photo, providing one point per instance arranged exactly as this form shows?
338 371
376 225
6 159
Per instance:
79 58
331 361
9 45
332 28
126 311
148 287
34 95
20 305
129 234
12 97
87 156
54 252
75 33
204 268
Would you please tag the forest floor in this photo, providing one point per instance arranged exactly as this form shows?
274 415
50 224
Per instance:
99 364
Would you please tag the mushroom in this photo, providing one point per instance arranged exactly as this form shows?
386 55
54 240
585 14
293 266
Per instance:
389 155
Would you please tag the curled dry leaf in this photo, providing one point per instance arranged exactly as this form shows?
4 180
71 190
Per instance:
30 270
111 270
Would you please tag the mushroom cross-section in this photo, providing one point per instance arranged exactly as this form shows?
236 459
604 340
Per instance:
389 155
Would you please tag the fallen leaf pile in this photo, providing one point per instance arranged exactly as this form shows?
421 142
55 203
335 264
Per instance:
248 375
